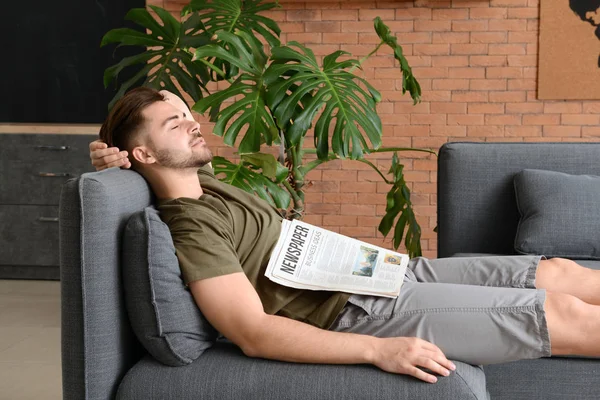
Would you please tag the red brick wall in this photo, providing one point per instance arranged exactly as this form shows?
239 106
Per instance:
476 62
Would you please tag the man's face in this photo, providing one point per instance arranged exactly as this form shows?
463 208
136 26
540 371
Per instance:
174 141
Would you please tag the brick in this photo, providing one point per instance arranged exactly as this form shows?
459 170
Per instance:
504 72
359 187
519 131
437 95
340 220
305 37
413 13
588 131
450 61
508 3
506 97
523 13
487 84
422 25
507 49
359 232
394 119
339 175
580 119
524 108
507 25
303 15
507 119
522 84
489 37
466 72
448 108
541 119
448 131
358 209
450 37
532 48
325 187
313 197
369 15
470 26
378 61
357 26
370 38
522 37
322 27
339 15
428 119
414 37
342 38
466 119
323 209
407 132
562 107
291 27
484 108
408 107
451 84
591 107
431 49
450 13
562 131
488 61
522 61
469 48
470 97
429 72
313 219
488 13
324 49
485 131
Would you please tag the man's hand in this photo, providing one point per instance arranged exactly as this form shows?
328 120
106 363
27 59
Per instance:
104 157
403 355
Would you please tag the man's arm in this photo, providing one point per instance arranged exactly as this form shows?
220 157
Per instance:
233 307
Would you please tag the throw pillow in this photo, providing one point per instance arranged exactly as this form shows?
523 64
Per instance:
163 314
560 214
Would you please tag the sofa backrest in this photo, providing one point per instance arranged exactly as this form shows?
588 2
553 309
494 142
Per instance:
477 210
98 345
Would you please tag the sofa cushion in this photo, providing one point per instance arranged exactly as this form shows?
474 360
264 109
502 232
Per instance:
560 214
163 314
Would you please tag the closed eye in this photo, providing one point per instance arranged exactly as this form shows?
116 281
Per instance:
175 127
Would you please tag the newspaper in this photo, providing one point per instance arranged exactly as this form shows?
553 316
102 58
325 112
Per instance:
313 258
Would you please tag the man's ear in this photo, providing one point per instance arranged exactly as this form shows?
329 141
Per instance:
143 155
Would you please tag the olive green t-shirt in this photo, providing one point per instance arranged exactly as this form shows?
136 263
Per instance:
228 230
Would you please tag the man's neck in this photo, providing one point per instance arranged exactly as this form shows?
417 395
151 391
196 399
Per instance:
172 184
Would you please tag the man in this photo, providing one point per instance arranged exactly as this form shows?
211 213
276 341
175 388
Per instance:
477 310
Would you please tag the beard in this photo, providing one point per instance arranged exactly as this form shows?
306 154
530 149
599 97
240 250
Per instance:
174 160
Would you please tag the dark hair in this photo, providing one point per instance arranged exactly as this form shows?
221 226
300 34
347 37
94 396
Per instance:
581 7
125 118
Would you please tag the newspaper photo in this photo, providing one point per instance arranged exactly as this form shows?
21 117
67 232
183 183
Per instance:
313 258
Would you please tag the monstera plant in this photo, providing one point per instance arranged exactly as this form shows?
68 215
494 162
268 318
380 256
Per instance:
274 95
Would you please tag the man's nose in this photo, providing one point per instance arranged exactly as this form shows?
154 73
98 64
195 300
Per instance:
194 127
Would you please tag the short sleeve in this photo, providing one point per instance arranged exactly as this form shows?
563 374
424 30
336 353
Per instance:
204 246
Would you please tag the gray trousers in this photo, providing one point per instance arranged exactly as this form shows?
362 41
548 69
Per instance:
479 310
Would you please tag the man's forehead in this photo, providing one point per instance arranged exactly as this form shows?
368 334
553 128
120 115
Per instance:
159 111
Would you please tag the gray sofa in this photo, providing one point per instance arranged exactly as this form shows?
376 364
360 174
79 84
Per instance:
102 359
478 214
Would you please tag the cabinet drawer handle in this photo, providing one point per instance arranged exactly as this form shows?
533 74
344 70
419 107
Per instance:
54 174
60 148
48 219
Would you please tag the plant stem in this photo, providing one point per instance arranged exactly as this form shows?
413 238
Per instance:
376 169
362 60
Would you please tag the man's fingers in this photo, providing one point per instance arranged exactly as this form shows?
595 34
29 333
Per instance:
434 366
97 145
118 163
420 374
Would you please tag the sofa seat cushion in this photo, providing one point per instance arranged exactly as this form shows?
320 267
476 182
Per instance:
544 379
560 214
224 372
162 312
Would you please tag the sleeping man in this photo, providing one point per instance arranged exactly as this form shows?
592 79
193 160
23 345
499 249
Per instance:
477 310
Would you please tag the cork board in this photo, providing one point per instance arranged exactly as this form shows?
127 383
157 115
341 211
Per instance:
569 53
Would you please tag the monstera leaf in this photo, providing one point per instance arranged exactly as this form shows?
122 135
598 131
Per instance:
399 205
234 15
248 111
408 80
348 110
168 57
247 176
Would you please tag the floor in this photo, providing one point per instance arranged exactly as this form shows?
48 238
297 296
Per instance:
30 340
